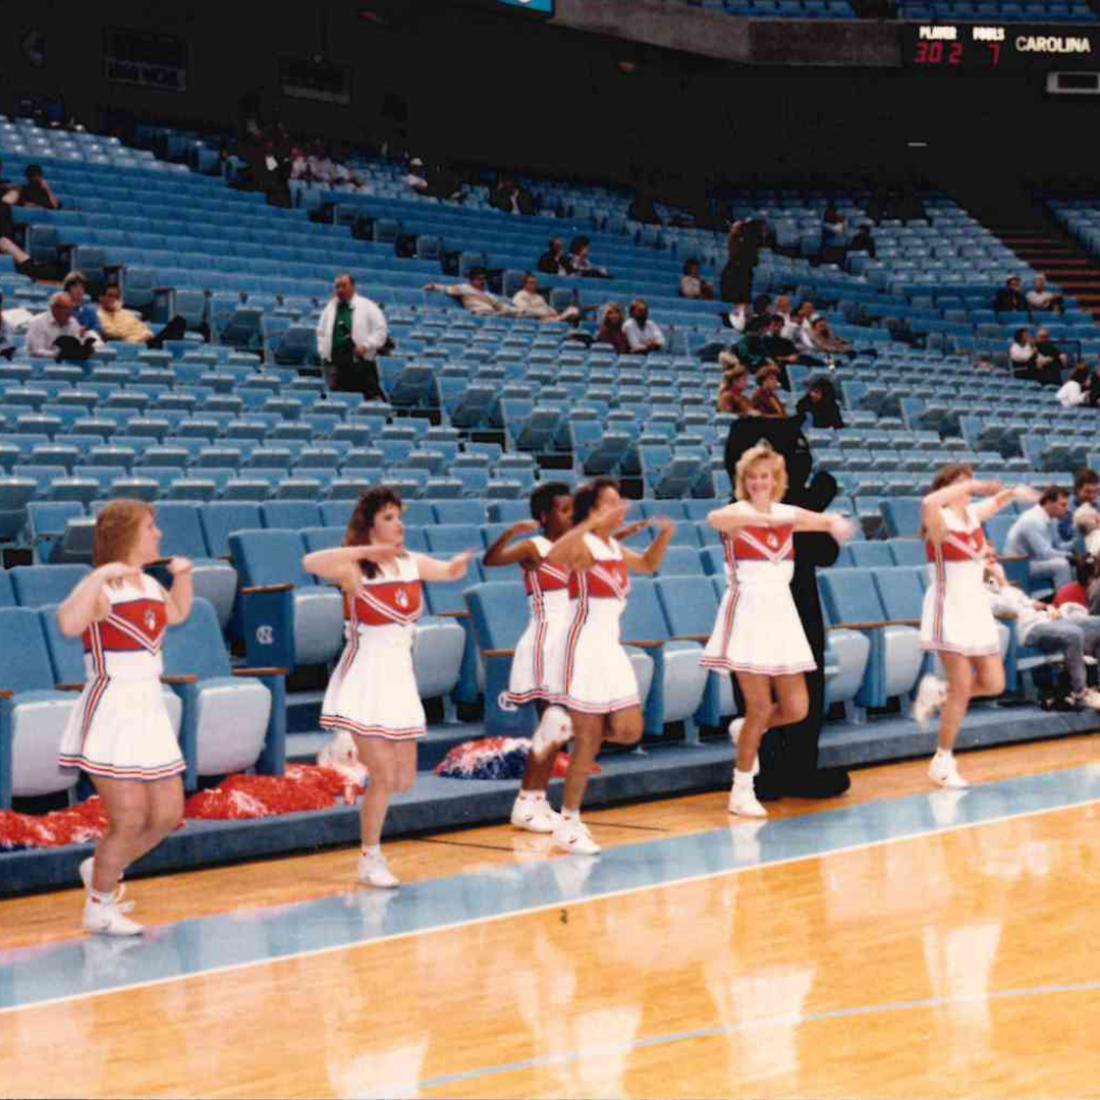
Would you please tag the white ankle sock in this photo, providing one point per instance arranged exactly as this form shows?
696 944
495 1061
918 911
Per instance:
532 796
373 850
742 779
570 815
100 898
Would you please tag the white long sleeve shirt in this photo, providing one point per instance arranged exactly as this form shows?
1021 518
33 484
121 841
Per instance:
642 337
368 327
43 330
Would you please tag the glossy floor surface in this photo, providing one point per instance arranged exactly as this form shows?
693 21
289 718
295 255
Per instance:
896 943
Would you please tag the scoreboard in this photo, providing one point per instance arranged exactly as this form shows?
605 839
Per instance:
1016 46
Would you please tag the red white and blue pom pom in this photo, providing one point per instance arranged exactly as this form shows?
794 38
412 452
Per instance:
495 758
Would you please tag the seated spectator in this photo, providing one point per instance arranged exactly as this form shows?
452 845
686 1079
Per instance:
581 260
1041 300
1085 519
1009 299
820 402
863 241
1077 591
742 318
116 323
36 191
642 334
555 260
511 198
802 322
781 351
765 399
56 334
475 295
692 283
299 165
611 329
823 340
351 333
416 179
1050 630
834 225
9 230
529 302
1035 536
84 309
732 393
1049 358
782 310
1021 352
7 347
1078 389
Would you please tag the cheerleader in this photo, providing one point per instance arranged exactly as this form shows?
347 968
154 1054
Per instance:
120 733
601 690
758 635
538 662
372 694
957 622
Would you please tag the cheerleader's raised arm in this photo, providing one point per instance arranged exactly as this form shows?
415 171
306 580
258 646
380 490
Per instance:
735 517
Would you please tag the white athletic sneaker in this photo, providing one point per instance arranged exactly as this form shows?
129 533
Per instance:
1090 697
944 772
930 697
555 728
573 836
86 870
744 803
107 918
536 815
375 871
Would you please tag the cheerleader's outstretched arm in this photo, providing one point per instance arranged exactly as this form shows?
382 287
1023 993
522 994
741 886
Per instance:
989 507
454 569
651 560
88 603
826 523
181 596
570 549
732 518
521 553
340 564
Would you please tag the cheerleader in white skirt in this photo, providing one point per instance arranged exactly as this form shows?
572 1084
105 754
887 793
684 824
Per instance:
539 660
372 694
601 690
120 733
758 634
957 622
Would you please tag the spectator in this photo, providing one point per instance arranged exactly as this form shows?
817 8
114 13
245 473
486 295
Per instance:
9 231
803 324
511 198
1035 536
863 241
823 340
692 283
84 309
750 350
416 178
116 323
1050 630
820 402
36 191
1077 591
1021 353
781 351
351 332
732 393
766 400
1049 358
580 258
476 296
529 302
7 347
611 329
834 225
1078 389
1042 300
555 260
743 254
1009 299
782 310
743 318
56 334
641 333
1085 519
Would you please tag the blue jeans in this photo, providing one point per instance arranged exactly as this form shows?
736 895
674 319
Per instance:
1057 570
1073 638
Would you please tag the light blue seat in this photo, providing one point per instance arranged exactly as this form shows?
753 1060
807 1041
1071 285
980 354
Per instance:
470 512
870 554
682 561
233 720
214 579
902 516
37 585
907 551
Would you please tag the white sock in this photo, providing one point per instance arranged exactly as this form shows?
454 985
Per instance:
101 898
570 815
372 850
742 780
532 796
944 754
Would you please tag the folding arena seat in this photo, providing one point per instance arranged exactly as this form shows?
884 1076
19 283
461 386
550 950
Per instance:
870 554
851 600
337 513
214 579
233 719
33 714
35 586
466 512
293 515
220 518
681 561
907 551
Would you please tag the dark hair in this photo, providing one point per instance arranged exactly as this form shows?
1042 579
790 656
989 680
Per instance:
529 275
949 474
542 499
585 498
689 262
344 275
579 243
1085 476
1052 493
33 171
478 273
1086 570
1018 333
362 519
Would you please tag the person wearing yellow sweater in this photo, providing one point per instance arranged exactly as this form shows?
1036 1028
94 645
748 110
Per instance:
117 323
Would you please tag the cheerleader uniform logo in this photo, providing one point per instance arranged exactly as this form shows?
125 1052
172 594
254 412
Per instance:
772 540
150 621
401 598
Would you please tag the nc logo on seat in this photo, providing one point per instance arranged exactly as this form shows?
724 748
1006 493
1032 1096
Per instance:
265 635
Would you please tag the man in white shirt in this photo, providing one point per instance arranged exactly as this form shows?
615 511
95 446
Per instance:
641 333
530 303
1041 299
351 332
476 296
58 321
415 179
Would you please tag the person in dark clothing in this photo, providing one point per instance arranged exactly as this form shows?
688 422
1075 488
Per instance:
1009 299
743 247
765 399
779 349
555 260
36 191
788 754
863 241
509 197
820 402
611 329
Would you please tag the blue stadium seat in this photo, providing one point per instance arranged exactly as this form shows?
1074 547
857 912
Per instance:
214 579
37 585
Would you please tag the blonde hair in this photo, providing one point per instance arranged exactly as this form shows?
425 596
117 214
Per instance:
762 452
116 529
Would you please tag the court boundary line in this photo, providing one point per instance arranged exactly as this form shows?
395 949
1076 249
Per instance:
626 891
748 1026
